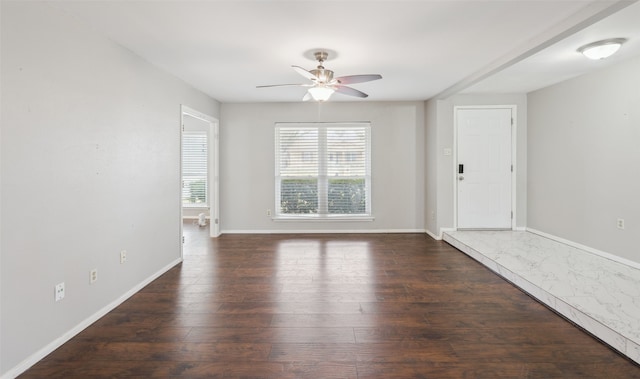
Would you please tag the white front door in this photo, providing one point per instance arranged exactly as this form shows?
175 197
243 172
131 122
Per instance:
483 171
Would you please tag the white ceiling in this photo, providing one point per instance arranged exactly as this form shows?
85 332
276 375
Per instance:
421 48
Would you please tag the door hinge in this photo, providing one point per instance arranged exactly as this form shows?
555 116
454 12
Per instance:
511 168
511 121
512 215
182 239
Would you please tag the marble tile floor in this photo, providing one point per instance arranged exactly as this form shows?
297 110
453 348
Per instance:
598 294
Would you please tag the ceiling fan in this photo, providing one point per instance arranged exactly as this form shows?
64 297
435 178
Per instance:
323 84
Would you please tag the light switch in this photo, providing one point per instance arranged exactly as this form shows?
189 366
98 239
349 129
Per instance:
447 151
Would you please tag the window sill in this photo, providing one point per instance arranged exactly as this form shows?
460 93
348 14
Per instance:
322 218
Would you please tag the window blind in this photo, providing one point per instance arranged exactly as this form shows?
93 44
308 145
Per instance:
323 169
194 169
347 170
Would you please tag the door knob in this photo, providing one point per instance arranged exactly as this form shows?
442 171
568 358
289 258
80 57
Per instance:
461 178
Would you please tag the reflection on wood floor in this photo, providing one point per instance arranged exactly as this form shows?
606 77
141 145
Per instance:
330 306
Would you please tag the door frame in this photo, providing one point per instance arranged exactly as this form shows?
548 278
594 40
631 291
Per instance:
213 174
454 166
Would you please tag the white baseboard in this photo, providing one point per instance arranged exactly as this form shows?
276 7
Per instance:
324 231
591 250
515 229
444 230
434 236
48 349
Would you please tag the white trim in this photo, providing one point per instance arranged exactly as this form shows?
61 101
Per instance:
514 143
49 348
454 168
195 218
323 218
588 249
181 229
444 230
325 231
435 237
322 165
199 115
214 188
514 170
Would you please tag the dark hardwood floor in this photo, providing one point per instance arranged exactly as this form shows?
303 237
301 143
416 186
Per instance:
330 306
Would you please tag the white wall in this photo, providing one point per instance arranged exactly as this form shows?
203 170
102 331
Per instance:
90 145
247 165
584 159
440 169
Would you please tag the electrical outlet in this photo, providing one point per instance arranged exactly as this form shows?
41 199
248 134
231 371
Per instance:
93 276
620 223
268 212
123 255
59 291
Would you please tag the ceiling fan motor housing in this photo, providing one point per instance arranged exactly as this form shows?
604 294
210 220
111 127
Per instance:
321 56
323 75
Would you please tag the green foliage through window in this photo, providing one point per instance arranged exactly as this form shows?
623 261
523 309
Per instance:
347 196
198 192
299 196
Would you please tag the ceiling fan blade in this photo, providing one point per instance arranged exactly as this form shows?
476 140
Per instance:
350 91
351 79
304 73
306 97
285 85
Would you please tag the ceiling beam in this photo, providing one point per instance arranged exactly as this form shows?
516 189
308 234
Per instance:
588 16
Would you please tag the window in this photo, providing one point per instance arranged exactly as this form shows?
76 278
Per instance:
323 170
194 169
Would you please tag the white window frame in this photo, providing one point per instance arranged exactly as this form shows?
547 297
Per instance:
322 177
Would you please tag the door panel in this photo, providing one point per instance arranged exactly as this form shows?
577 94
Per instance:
484 186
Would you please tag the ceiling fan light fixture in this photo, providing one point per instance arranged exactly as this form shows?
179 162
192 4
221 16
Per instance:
602 49
321 93
322 83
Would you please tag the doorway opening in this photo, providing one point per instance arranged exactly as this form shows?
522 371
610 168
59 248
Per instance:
199 165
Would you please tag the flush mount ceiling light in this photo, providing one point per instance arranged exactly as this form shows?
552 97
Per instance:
602 49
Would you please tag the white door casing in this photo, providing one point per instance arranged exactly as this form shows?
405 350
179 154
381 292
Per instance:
484 168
